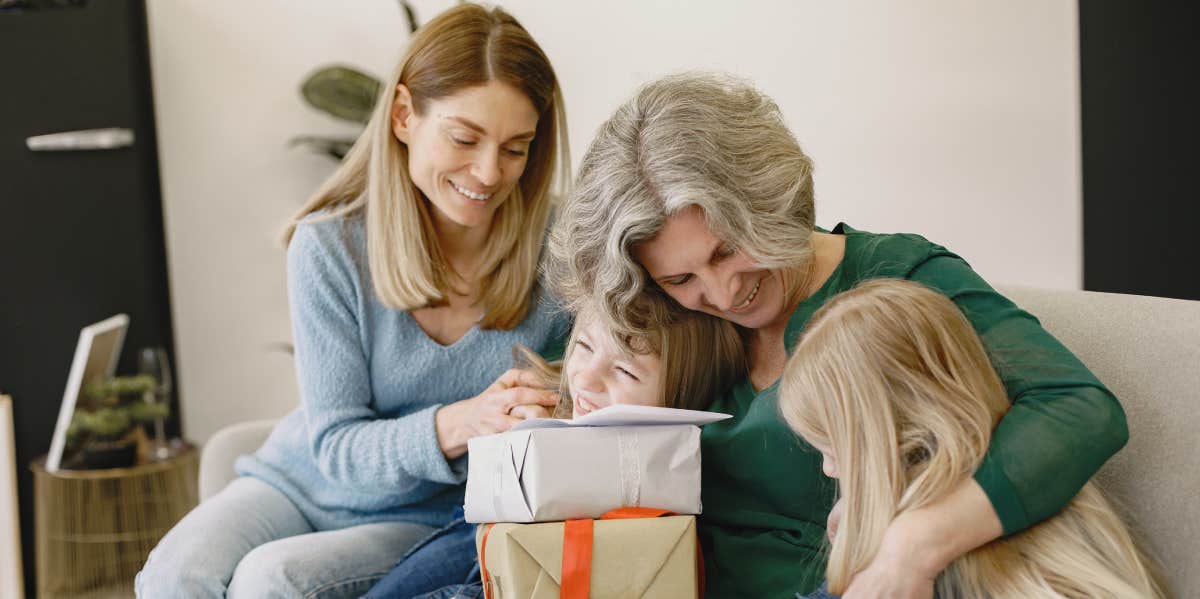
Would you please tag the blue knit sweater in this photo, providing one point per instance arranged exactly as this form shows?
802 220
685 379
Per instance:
362 446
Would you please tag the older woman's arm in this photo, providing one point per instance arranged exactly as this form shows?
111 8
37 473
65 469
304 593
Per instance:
1063 425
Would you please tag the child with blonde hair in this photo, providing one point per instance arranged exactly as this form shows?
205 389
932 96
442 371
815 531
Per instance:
892 385
684 364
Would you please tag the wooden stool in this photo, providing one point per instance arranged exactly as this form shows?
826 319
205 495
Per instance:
94 528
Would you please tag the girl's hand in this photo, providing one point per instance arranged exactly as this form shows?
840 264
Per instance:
489 412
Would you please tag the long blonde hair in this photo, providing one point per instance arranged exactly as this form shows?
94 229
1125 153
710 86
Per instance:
701 356
464 46
892 378
704 140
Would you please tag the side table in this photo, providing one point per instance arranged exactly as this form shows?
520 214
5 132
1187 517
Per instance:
94 528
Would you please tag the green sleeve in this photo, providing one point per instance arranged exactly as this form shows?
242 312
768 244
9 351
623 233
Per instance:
1063 425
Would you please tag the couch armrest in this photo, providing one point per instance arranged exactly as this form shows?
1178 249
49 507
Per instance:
216 460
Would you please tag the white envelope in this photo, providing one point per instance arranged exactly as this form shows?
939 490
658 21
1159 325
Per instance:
627 415
550 470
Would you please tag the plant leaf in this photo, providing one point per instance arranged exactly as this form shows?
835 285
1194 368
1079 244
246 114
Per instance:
337 148
341 91
410 15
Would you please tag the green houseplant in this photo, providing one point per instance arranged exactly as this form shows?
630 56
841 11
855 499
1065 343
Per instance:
106 427
343 92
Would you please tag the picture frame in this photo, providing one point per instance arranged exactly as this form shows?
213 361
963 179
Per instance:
95 358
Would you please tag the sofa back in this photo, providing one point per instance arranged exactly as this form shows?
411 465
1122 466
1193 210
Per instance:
1147 351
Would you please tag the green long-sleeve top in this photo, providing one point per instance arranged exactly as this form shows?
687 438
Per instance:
765 498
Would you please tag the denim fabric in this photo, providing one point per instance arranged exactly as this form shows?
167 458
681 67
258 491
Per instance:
820 593
823 593
439 566
456 591
250 540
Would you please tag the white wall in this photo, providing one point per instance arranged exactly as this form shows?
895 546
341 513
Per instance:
955 119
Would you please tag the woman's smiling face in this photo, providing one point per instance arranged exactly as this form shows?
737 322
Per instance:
467 151
600 374
707 274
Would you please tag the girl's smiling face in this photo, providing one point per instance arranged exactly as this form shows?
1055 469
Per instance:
600 374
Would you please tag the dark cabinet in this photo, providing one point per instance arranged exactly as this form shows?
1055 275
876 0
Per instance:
81 231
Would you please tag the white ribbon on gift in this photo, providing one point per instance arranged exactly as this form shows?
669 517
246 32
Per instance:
631 469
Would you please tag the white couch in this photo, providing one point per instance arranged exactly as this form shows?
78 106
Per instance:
1146 349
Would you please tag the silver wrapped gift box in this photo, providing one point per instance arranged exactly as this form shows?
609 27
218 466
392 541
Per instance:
546 471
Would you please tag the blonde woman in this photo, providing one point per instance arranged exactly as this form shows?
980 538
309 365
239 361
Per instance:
411 273
695 195
891 384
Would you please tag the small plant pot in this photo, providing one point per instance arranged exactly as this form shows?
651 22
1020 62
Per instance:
117 453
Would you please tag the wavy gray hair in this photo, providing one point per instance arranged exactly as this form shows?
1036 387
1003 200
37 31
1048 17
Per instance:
706 140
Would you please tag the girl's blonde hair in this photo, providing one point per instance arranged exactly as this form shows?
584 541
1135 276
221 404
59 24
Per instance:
702 140
893 380
465 46
701 356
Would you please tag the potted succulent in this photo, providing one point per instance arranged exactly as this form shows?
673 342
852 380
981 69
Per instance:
107 426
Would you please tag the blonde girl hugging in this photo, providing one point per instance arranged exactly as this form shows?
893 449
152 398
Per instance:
681 365
892 385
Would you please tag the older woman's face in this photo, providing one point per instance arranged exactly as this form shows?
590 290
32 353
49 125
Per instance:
707 274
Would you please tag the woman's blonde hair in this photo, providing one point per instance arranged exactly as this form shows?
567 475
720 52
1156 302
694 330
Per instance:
700 140
465 46
701 356
893 380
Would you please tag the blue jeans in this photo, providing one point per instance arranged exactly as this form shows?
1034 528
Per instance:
821 593
456 591
442 566
250 540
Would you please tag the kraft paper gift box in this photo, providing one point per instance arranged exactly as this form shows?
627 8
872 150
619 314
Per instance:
649 558
550 470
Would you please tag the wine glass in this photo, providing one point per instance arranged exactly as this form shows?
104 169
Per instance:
153 361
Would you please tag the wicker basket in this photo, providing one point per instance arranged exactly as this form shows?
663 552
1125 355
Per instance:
94 528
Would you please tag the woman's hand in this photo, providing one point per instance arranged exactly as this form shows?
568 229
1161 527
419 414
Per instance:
530 412
489 412
889 575
893 574
919 544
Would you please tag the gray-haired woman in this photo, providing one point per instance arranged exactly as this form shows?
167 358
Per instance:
695 195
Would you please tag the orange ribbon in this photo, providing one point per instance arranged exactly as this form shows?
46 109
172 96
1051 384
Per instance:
487 580
576 559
